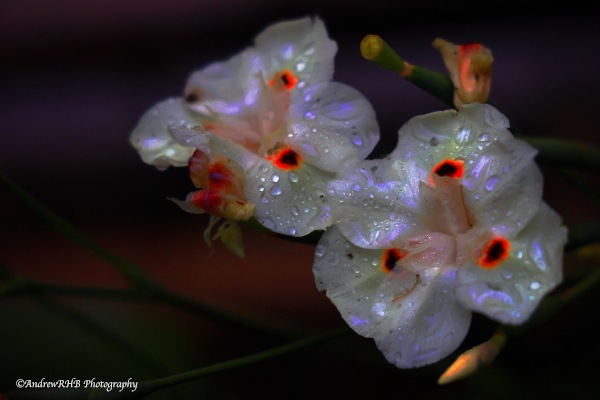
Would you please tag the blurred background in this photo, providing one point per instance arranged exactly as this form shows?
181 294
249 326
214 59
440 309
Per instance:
75 78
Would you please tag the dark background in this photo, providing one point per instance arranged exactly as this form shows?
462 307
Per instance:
75 77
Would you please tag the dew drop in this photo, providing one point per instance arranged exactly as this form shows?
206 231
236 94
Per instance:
275 178
275 191
309 115
484 137
491 183
463 135
292 231
356 140
320 250
334 259
534 285
434 141
268 223
263 169
294 210
261 188
356 187
264 199
519 254
293 177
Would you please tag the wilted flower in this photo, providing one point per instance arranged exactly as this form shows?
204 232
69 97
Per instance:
451 222
221 195
470 67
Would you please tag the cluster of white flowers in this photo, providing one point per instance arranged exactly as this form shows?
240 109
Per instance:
452 221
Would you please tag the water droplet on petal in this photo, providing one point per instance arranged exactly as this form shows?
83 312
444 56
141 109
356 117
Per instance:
268 223
293 177
264 199
275 191
310 115
334 259
263 169
320 250
491 183
356 140
292 231
295 210
463 135
275 178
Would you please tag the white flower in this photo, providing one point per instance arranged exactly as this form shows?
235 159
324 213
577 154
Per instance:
231 88
273 111
451 222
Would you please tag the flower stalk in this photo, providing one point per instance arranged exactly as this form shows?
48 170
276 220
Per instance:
373 48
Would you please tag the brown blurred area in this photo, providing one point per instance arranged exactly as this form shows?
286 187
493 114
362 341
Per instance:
76 76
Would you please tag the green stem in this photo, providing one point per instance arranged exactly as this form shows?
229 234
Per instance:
152 386
583 234
146 388
566 153
376 50
22 286
133 273
587 188
438 85
125 347
150 289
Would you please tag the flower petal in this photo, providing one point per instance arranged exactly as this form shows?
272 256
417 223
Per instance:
414 319
498 169
300 46
290 202
151 137
510 292
332 124
225 87
380 187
